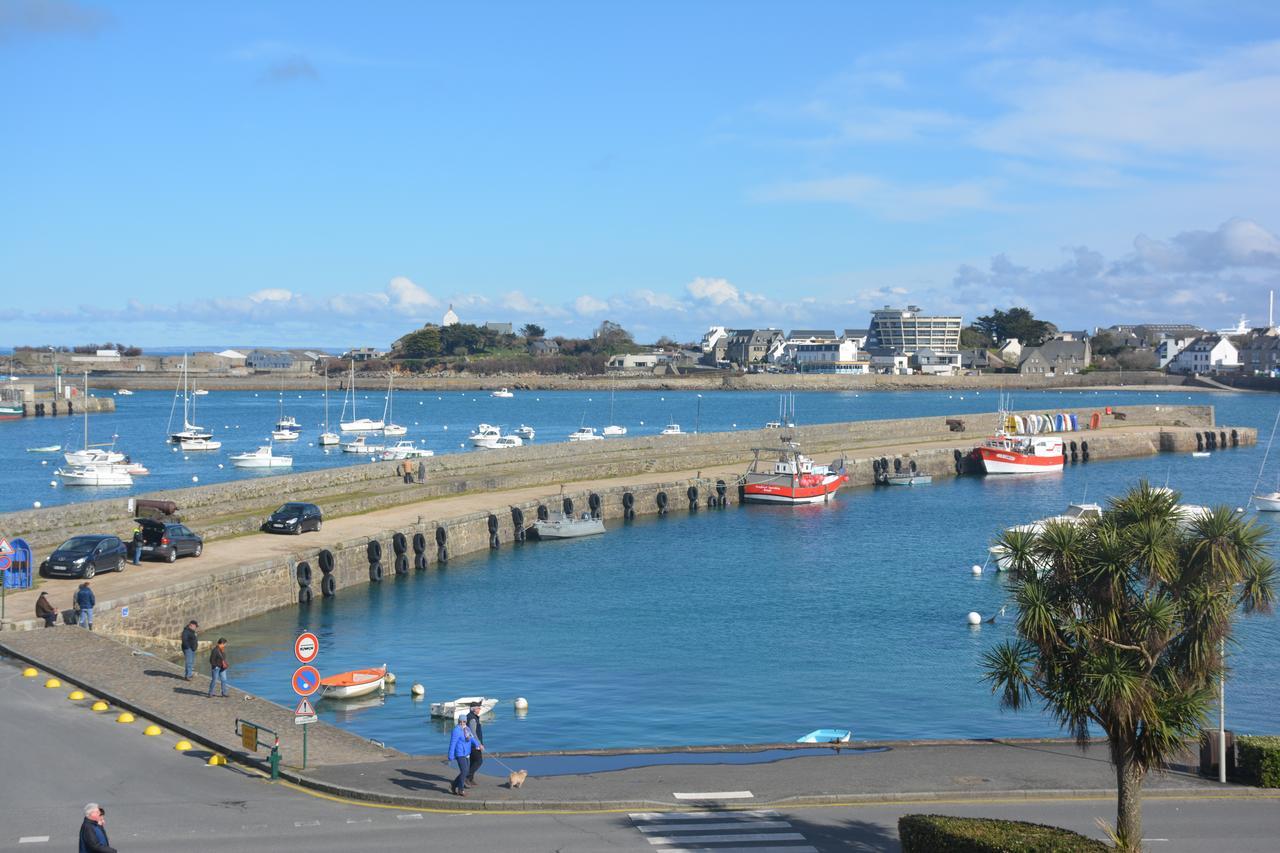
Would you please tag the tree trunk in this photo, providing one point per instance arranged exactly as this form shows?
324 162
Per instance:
1129 776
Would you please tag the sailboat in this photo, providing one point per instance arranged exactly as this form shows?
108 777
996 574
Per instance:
1267 501
786 413
612 428
286 423
390 428
93 466
189 430
327 438
357 424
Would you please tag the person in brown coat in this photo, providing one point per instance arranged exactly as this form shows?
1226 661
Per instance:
46 611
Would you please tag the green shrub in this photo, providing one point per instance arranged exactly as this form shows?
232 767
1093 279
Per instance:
1258 760
930 833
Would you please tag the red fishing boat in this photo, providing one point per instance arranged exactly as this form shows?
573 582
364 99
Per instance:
784 475
1004 453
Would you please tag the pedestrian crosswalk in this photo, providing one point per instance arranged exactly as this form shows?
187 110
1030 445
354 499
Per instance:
720 832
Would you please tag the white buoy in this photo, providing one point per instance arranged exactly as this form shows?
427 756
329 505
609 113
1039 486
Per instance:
36 504
174 449
53 483
418 690
391 678
974 617
195 479
446 427
185 458
522 704
219 464
44 461
977 570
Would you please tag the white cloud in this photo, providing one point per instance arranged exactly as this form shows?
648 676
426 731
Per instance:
404 293
271 294
717 291
892 201
587 304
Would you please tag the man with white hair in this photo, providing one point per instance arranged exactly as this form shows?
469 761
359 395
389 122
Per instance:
93 832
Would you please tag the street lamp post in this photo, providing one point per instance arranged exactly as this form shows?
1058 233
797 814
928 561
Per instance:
697 420
1222 715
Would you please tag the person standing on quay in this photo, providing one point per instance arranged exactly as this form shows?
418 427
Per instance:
93 832
477 743
460 746
137 544
85 601
46 611
218 667
190 642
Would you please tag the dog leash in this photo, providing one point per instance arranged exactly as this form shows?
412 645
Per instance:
509 768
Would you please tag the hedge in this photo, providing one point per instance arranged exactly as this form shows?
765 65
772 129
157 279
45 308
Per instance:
928 833
1258 760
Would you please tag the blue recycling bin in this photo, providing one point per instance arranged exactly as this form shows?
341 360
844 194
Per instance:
19 573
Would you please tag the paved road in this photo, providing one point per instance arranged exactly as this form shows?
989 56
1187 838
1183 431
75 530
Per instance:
62 755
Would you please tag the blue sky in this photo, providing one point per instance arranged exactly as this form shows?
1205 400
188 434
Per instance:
326 174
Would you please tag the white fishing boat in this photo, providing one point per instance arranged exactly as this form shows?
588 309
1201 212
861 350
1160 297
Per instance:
486 435
508 441
189 428
502 392
672 429
200 444
525 432
284 435
460 707
585 433
124 392
327 438
94 475
360 444
263 457
356 424
560 526
406 450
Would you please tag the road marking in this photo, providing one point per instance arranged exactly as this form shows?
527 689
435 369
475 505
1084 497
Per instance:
717 815
33 839
715 795
726 839
408 817
362 820
302 823
710 827
688 832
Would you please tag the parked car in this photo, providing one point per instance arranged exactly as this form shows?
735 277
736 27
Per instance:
163 540
85 556
294 518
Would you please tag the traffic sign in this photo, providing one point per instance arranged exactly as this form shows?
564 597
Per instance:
5 562
305 721
306 680
306 647
5 547
304 709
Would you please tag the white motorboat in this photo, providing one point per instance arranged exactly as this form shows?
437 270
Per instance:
356 424
613 430
288 422
360 444
328 439
501 392
263 457
460 707
52 448
1269 502
561 526
672 429
486 435
200 444
284 435
525 432
189 428
124 392
394 429
585 433
406 450
200 392
93 456
508 441
94 475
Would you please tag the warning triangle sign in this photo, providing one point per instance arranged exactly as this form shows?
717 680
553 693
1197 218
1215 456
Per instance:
304 709
5 547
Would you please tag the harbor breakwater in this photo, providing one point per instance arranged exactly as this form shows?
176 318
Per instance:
433 528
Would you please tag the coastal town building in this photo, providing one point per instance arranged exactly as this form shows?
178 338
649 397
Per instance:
1260 356
908 330
1167 350
363 354
1207 354
543 348
751 346
635 361
1055 358
1010 351
1136 335
500 328
264 360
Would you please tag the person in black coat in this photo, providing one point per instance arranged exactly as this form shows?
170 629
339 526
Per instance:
93 832
190 642
477 741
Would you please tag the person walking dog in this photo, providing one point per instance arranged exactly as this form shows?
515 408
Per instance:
460 745
477 743
93 832
218 666
190 642
85 601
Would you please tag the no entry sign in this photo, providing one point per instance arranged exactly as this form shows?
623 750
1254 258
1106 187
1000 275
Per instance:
306 647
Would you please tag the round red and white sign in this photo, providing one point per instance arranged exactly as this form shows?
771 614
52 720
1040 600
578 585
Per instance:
306 647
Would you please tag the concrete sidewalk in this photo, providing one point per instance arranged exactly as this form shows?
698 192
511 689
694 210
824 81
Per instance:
350 766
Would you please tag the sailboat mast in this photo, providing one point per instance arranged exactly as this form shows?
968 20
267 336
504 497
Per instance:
84 404
325 367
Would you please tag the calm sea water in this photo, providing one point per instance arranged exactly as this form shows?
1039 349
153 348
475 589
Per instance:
751 624
441 422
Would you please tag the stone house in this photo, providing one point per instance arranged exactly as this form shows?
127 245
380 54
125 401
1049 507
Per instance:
1261 355
544 348
751 346
1056 358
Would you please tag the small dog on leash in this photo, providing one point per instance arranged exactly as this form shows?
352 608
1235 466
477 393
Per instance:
516 778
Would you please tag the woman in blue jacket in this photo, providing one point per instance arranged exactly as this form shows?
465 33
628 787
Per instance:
460 746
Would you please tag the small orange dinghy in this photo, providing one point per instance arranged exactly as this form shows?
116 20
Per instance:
357 682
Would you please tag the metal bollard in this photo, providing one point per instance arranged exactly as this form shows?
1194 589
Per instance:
275 760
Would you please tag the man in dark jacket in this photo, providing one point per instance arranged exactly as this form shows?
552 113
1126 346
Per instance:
218 667
190 642
93 832
85 601
477 742
46 611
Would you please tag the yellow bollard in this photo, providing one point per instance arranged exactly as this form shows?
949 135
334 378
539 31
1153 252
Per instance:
99 706
152 730
30 672
75 695
216 759
52 683
182 745
126 717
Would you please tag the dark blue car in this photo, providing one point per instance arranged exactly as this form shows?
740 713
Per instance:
85 556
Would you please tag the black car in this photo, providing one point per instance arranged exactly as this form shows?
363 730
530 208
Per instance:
163 540
294 518
85 556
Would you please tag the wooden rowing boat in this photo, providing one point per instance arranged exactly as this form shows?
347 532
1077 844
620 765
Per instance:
357 682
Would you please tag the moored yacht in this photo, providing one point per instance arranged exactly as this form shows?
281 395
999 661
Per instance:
406 450
360 444
263 457
585 433
501 392
672 429
486 435
525 432
199 444
94 475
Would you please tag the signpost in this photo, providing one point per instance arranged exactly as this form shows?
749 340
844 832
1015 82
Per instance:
306 680
306 647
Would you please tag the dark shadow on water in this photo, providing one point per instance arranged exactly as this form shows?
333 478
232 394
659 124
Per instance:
573 765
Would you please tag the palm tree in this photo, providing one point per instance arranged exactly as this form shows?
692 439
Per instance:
1121 624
